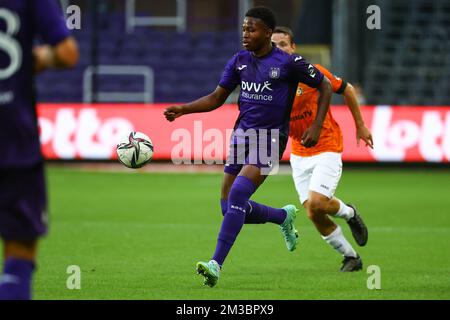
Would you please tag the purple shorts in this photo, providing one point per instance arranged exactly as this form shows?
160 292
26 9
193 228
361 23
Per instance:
23 203
261 150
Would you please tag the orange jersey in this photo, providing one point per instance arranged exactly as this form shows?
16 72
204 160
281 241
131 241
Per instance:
304 112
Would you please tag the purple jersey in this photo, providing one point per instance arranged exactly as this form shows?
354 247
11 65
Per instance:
20 22
268 86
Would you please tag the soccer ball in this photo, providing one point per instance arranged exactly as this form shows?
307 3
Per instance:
135 150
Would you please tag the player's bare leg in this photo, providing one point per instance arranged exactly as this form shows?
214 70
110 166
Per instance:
319 207
19 257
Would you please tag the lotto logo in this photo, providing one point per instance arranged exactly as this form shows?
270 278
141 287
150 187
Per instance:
82 134
399 136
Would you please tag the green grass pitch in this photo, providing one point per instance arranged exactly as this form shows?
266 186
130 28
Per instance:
138 236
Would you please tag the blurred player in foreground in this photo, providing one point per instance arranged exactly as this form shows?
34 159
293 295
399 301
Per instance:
268 78
23 216
317 170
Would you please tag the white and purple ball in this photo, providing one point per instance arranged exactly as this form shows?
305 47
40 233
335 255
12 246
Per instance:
135 150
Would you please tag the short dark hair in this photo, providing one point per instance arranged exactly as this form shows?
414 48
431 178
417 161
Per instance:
265 14
285 30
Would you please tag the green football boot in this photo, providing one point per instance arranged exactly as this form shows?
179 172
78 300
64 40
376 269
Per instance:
290 234
210 270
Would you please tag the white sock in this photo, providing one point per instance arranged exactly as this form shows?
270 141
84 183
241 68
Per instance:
344 211
337 240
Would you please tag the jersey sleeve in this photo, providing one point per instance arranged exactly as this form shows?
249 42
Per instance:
230 78
338 84
49 21
303 71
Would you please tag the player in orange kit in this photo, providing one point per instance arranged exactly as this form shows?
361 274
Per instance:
316 171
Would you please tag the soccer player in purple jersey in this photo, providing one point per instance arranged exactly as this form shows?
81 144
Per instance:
23 216
268 78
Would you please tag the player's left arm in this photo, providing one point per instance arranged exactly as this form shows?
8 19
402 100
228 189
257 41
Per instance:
362 132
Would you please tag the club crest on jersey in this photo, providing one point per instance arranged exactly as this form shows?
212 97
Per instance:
299 91
274 73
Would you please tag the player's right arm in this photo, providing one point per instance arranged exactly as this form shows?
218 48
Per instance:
205 104
60 49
